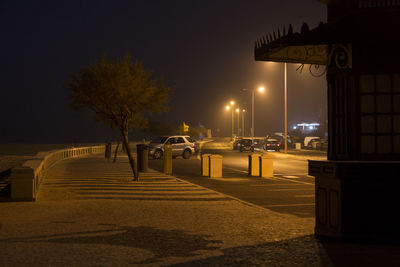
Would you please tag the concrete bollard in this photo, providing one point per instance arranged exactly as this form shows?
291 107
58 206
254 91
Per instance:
266 166
298 146
254 164
215 166
205 164
167 164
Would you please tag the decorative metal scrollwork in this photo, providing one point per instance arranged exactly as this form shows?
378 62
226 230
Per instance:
317 70
340 56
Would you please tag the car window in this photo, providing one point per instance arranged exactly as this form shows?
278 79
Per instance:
171 141
180 140
159 140
246 141
190 140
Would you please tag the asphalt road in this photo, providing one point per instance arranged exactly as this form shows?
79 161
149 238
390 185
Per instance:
290 191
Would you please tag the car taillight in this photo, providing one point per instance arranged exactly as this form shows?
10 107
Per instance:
278 144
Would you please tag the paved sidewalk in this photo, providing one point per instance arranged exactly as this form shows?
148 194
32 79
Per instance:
90 213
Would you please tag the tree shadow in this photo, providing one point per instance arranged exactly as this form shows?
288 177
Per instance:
306 251
301 251
161 243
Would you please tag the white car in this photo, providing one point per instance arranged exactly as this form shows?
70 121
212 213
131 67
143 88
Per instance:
182 145
309 139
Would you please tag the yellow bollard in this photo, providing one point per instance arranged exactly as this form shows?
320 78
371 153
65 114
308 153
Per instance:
215 166
254 164
205 164
167 164
266 166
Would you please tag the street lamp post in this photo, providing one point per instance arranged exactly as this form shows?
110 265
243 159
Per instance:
285 108
243 111
230 107
238 113
252 113
260 89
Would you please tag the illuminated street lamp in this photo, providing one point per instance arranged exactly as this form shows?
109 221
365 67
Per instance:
243 111
238 113
261 90
230 107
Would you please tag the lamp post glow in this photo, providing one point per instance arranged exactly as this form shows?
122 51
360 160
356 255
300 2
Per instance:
230 107
261 90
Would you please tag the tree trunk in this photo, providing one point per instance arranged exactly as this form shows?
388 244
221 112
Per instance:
116 153
130 157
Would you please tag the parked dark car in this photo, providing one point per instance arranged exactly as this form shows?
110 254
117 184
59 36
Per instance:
246 145
258 143
281 140
272 144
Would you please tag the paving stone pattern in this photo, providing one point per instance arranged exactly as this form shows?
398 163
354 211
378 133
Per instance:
89 212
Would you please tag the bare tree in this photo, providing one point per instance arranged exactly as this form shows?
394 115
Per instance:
121 94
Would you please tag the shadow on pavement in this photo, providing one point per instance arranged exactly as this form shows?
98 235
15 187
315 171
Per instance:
161 243
305 251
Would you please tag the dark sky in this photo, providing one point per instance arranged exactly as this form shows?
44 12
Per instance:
202 48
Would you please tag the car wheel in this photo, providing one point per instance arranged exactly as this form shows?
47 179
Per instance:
157 154
186 154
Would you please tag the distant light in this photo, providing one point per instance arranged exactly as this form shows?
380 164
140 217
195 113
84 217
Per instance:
232 102
261 89
243 110
294 127
228 107
311 127
237 110
303 124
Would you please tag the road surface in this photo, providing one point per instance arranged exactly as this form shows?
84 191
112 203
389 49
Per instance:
290 191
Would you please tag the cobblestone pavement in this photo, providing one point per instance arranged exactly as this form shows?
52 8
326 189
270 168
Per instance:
89 212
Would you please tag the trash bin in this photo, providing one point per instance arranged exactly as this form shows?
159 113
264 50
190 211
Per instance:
254 164
215 166
266 166
107 151
298 145
142 157
167 163
205 164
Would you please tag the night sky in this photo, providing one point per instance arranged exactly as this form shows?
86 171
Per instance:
204 49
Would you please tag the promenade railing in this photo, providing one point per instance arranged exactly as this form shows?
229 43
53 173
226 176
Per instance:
26 179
